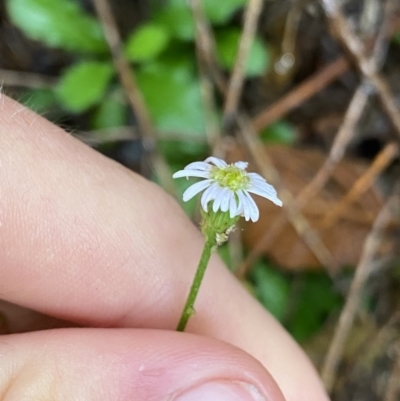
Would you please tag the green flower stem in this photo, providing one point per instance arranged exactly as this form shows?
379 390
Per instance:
188 310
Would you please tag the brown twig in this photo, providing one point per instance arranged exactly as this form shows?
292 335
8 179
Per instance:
26 79
393 385
342 139
345 132
132 92
207 91
324 77
382 160
357 51
206 48
301 93
252 14
98 137
347 315
287 58
298 221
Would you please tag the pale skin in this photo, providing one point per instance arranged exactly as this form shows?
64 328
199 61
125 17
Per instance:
85 240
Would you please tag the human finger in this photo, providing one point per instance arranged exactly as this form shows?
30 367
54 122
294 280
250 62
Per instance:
126 364
84 239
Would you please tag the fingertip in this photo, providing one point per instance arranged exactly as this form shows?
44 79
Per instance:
126 364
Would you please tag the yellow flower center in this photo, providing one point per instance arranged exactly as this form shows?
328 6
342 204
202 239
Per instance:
231 177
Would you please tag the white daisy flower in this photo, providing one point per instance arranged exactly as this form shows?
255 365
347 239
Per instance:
229 187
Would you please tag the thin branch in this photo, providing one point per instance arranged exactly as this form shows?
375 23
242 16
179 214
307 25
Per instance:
26 79
357 50
342 139
125 73
301 93
363 270
382 160
345 132
132 92
236 81
298 221
98 137
392 392
327 75
207 91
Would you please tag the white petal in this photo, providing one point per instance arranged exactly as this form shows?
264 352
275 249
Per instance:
216 161
254 212
233 207
241 165
195 189
219 198
263 187
197 166
191 173
256 177
266 191
208 195
239 208
226 201
245 205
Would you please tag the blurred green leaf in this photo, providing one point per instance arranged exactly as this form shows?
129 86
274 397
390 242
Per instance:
317 299
172 95
58 23
177 18
146 43
280 132
227 46
223 252
39 100
111 113
178 151
84 84
396 38
271 288
219 12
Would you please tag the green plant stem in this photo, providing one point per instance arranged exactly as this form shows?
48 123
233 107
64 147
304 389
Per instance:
188 310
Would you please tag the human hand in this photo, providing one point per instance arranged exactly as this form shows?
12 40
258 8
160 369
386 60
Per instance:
87 241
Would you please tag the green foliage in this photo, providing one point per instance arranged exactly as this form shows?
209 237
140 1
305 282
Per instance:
178 150
227 46
146 43
177 18
164 50
396 38
280 132
84 84
223 252
271 288
111 112
172 94
39 100
316 300
58 23
219 12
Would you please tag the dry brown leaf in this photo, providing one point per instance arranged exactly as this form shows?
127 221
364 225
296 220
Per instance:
344 239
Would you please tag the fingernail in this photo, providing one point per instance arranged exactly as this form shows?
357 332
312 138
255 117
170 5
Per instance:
222 391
